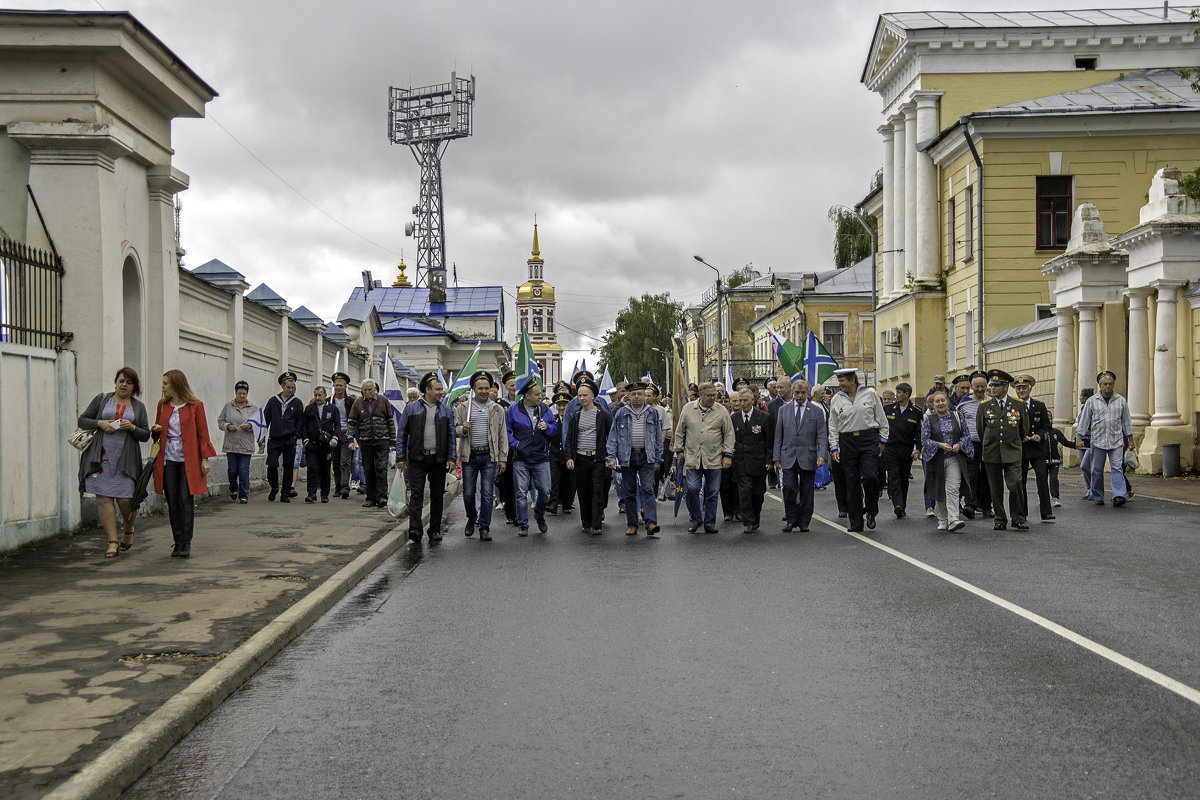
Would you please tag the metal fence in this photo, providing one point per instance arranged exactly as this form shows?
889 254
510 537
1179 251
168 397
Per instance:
752 369
30 296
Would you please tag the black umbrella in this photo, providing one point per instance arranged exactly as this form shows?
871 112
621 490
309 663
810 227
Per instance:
141 488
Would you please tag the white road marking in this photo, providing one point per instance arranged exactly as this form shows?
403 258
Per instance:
1136 667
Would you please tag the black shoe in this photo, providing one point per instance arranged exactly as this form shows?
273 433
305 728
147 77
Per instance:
185 551
596 531
542 526
707 529
484 536
1047 518
695 526
369 504
621 507
899 511
855 530
285 499
729 517
747 529
870 521
968 513
293 493
789 528
988 514
842 515
510 520
175 551
435 537
274 493
325 498
346 495
243 500
232 496
414 536
1020 526
568 509
803 529
309 498
552 510
382 504
999 526
524 531
470 529
1118 502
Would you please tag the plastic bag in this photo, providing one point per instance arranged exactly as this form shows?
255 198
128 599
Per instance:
822 476
1131 459
395 502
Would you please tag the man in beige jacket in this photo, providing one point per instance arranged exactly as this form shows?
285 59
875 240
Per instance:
483 449
704 442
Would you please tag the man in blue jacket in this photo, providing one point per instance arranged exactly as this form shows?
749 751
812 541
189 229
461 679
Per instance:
635 446
426 446
530 424
284 415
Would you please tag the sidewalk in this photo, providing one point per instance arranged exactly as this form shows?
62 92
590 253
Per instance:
1184 489
93 649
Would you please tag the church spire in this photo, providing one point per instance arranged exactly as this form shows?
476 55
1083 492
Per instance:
537 254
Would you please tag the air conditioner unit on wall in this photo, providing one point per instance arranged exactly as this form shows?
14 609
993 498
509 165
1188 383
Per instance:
891 337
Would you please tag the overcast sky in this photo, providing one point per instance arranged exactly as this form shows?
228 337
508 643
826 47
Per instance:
639 132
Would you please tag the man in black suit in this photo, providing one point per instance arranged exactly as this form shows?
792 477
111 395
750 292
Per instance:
903 445
754 447
1035 447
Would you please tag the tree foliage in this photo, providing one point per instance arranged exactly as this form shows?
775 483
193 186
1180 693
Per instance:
1193 73
646 322
851 242
742 275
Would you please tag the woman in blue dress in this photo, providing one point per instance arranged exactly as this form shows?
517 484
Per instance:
113 461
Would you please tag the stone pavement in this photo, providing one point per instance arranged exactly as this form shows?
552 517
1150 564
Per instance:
105 663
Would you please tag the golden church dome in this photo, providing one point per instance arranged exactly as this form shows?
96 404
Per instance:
533 291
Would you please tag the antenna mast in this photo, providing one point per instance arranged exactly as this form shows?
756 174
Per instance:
426 119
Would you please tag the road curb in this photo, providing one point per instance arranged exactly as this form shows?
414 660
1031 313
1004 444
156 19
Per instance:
122 764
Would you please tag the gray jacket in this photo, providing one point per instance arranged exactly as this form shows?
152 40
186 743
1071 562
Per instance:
800 448
238 441
130 464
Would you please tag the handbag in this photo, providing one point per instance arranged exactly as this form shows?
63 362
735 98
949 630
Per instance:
822 477
81 440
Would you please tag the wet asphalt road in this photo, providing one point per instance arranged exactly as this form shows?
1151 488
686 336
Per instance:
766 665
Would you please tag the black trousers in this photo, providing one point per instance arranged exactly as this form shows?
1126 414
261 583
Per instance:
318 469
999 476
180 506
590 485
798 487
838 475
981 490
375 468
1041 479
897 465
751 491
561 491
424 469
730 502
860 465
340 465
507 493
285 447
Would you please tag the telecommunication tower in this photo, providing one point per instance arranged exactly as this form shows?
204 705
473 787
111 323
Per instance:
427 119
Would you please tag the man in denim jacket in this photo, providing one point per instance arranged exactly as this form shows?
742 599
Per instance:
635 446
530 423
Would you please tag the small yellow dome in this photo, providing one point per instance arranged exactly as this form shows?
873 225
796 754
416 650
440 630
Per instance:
535 290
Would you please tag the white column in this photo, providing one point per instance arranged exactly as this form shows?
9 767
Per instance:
284 366
1087 345
925 190
237 351
319 358
1138 385
889 180
899 257
1166 407
1064 370
910 192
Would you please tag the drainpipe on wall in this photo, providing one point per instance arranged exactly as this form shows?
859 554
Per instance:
965 124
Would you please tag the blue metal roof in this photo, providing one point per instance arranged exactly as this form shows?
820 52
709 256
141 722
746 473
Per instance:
404 326
334 333
413 301
305 316
217 269
266 295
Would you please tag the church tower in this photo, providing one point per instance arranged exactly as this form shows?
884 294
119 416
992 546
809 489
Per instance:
535 313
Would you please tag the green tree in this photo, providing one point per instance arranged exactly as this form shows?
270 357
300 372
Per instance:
851 243
646 322
742 275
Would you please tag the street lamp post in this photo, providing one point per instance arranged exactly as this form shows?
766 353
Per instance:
720 325
666 366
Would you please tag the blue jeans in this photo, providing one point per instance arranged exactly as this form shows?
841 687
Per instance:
1085 467
1116 457
523 471
712 489
239 474
639 475
479 468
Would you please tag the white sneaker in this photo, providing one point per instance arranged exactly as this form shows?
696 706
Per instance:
929 512
1055 502
941 526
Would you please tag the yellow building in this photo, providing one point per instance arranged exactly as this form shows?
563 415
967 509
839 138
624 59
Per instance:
995 127
535 313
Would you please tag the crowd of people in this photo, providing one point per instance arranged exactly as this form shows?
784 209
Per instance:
532 455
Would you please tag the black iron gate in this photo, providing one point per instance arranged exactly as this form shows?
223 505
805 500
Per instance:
31 296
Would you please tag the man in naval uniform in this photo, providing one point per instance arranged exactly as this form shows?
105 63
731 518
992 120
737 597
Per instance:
858 431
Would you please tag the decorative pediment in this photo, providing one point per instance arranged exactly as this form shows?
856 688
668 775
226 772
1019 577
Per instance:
888 39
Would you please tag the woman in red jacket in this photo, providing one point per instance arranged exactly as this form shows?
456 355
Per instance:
181 468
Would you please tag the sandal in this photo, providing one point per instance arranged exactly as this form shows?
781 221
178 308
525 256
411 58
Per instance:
126 545
113 550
